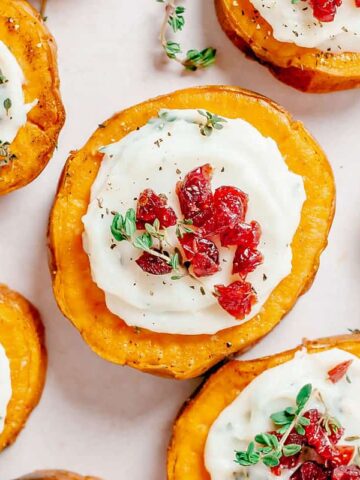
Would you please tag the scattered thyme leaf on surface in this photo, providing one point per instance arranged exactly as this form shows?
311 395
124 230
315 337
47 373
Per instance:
7 105
212 122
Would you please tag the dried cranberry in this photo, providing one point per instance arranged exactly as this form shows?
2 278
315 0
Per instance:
242 234
195 195
246 260
310 471
344 455
317 436
325 10
202 253
339 371
350 472
150 207
289 462
236 298
153 264
230 207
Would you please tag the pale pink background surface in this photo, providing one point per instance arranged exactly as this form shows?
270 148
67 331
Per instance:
115 422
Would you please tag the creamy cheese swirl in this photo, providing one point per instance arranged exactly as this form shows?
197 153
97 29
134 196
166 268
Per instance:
272 391
5 386
13 110
295 23
157 156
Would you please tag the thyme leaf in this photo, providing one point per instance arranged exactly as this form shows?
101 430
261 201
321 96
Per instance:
123 228
3 79
7 105
267 447
5 155
212 122
175 19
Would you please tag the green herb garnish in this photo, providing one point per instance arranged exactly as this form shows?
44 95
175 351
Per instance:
182 227
267 447
123 228
3 79
5 155
194 59
212 122
7 105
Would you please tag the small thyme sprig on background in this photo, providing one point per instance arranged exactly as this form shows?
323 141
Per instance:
174 18
269 448
123 227
212 122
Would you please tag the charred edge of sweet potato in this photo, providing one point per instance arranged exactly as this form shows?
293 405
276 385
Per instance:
304 79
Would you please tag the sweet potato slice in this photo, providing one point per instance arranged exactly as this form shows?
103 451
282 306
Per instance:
184 356
22 336
23 31
190 431
55 475
307 69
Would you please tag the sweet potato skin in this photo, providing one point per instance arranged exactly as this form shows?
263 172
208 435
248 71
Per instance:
182 356
22 336
190 431
55 475
24 32
308 70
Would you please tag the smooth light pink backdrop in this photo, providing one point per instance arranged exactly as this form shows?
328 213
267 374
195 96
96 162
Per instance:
115 422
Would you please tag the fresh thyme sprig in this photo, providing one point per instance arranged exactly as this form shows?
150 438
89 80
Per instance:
212 122
266 447
291 416
5 155
174 18
182 227
123 227
328 422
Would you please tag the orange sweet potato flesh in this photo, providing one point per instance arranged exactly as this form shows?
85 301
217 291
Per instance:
55 475
23 31
184 356
190 431
307 69
22 336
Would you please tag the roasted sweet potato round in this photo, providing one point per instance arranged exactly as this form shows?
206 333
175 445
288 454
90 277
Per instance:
55 475
307 69
184 356
23 31
22 336
190 431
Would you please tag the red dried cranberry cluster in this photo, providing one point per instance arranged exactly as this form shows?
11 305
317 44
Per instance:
329 461
325 10
222 213
150 207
